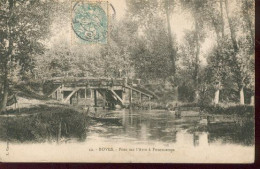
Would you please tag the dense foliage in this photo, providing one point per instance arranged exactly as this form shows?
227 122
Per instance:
213 62
42 124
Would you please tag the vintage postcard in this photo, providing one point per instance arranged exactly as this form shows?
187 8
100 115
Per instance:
158 81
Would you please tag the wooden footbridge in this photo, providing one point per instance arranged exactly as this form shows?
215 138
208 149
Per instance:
105 92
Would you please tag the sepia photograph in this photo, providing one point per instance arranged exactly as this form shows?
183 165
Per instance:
127 81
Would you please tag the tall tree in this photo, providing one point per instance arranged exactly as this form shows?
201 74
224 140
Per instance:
217 63
154 35
241 56
187 63
196 8
23 24
169 7
248 14
248 10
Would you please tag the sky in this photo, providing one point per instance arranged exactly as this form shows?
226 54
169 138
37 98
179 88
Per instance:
180 22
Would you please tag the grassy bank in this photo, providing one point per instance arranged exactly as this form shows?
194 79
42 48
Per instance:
40 124
229 110
224 109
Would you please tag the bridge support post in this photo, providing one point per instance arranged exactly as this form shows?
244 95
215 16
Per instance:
95 97
104 99
62 93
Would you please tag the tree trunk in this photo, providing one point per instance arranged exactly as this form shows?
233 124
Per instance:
236 67
216 98
249 24
242 98
5 95
231 27
171 48
217 93
222 19
5 60
219 40
196 75
252 100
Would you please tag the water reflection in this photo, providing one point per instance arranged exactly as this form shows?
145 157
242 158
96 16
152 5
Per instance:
233 133
136 126
153 126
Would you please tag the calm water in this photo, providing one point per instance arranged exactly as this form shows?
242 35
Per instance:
190 140
162 126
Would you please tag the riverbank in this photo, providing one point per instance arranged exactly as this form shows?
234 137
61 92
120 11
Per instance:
56 122
43 123
41 120
220 109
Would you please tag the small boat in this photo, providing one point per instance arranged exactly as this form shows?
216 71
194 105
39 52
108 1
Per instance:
213 121
105 117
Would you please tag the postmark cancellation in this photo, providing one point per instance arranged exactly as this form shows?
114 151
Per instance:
89 21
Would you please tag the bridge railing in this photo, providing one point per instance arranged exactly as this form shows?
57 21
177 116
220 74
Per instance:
95 81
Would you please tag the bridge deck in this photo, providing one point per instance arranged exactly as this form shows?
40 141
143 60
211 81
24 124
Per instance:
113 91
97 83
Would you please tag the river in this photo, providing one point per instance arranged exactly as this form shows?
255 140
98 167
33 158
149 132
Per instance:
144 136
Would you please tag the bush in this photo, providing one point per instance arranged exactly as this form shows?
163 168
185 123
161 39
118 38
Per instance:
44 126
237 109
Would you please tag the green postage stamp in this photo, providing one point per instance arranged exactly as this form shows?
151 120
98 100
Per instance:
127 81
90 21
